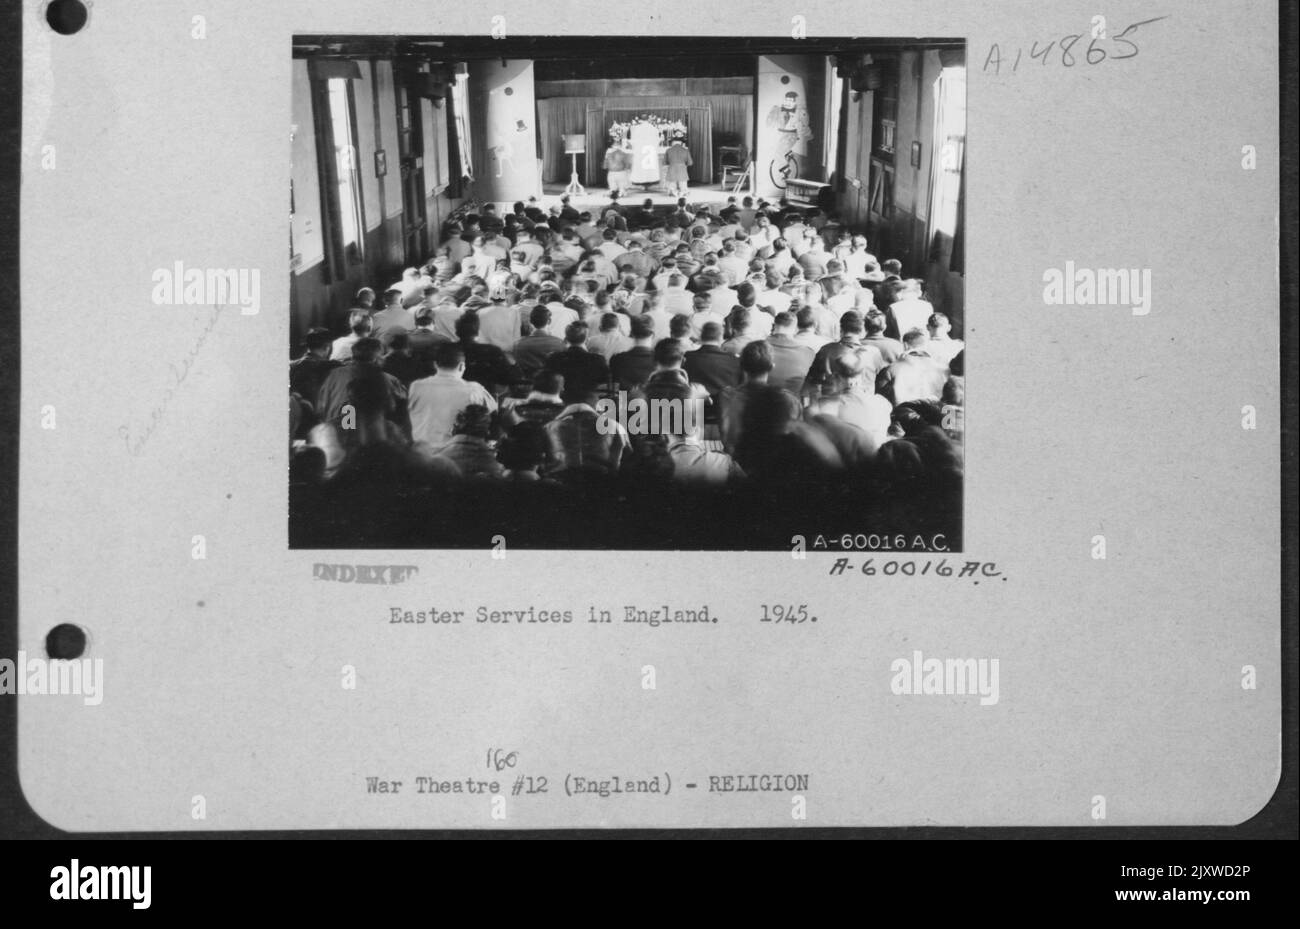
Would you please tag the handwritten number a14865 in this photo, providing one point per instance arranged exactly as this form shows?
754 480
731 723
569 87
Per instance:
1095 54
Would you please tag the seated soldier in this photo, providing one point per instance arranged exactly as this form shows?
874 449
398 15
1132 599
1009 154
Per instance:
436 401
484 363
630 369
710 366
542 404
583 371
359 322
523 453
585 443
309 371
756 368
469 449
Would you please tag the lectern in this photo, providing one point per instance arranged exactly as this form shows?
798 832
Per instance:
575 145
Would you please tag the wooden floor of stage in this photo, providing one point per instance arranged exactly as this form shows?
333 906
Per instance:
596 197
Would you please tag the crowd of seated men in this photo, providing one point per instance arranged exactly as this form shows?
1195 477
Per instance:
467 396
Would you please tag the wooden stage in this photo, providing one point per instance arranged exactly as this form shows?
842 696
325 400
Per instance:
711 195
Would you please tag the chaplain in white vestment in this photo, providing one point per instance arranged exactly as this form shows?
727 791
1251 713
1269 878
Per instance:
646 149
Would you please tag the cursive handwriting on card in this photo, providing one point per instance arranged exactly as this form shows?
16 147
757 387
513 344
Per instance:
1067 51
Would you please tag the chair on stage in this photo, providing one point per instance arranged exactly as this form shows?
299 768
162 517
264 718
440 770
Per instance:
730 160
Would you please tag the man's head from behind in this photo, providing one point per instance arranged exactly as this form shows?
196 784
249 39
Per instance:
756 361
548 383
848 369
319 342
366 351
359 322
575 333
668 354
467 326
914 340
369 395
475 420
643 329
449 358
525 448
539 317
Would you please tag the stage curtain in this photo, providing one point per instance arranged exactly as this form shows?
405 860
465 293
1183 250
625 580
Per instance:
733 117
556 118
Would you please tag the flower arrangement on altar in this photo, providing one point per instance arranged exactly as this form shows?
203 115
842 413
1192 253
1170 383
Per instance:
669 129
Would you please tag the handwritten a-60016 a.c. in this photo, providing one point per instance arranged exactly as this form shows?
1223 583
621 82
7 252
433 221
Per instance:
973 570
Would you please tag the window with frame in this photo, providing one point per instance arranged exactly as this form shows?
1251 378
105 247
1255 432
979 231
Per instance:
885 118
347 181
460 109
951 134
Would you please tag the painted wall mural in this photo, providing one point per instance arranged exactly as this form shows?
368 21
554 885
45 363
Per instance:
789 106
506 143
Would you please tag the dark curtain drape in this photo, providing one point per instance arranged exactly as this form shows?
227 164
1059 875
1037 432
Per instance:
556 118
711 120
733 121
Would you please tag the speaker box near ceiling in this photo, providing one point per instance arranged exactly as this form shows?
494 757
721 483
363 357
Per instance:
865 78
432 86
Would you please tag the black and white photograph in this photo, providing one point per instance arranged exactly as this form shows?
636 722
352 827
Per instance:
705 421
627 293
